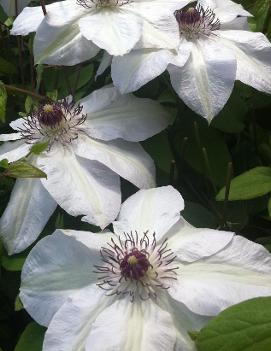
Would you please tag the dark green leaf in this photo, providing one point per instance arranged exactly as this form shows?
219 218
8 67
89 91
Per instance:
3 102
243 327
249 185
31 339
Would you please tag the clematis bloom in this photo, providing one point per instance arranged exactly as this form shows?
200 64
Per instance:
90 144
144 286
73 31
215 49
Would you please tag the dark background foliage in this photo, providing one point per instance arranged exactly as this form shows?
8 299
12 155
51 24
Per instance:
197 158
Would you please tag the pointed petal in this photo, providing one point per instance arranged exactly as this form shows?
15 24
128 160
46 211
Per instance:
14 150
116 31
239 272
28 21
154 210
129 118
126 326
50 278
130 72
206 81
252 52
72 323
191 244
29 208
129 160
81 187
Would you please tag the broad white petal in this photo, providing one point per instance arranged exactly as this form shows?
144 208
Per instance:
253 55
10 7
206 81
29 208
18 124
130 72
10 136
239 272
190 244
155 210
129 118
239 23
64 45
81 187
130 326
71 325
99 99
114 30
14 150
28 21
56 268
127 159
104 64
92 240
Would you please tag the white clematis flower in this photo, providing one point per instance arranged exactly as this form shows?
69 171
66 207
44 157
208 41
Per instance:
73 31
9 6
144 287
214 51
86 155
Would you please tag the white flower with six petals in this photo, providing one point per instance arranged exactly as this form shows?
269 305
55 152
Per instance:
144 287
91 144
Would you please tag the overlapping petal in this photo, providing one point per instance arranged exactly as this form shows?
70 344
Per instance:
87 188
14 150
29 208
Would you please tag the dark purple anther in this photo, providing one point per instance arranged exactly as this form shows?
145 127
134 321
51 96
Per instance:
50 115
188 17
134 265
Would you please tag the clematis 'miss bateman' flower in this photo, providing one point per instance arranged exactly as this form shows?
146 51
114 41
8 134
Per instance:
13 7
85 157
74 30
215 49
144 286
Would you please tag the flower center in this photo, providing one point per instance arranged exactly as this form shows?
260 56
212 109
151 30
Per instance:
136 266
102 3
196 21
53 122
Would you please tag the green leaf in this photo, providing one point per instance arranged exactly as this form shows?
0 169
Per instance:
243 327
38 148
249 185
31 338
18 306
13 263
7 67
269 207
3 102
23 169
4 163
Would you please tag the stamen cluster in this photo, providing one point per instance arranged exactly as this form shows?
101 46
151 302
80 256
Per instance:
135 266
196 21
53 122
102 3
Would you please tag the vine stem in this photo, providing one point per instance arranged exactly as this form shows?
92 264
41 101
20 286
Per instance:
12 88
42 4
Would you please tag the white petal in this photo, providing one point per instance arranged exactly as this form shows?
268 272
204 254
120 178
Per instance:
129 118
227 11
104 64
72 323
18 124
28 21
253 55
91 240
81 187
64 45
115 30
130 72
155 210
10 8
239 272
129 326
29 208
206 81
127 159
99 99
56 268
14 150
239 23
190 244
11 136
